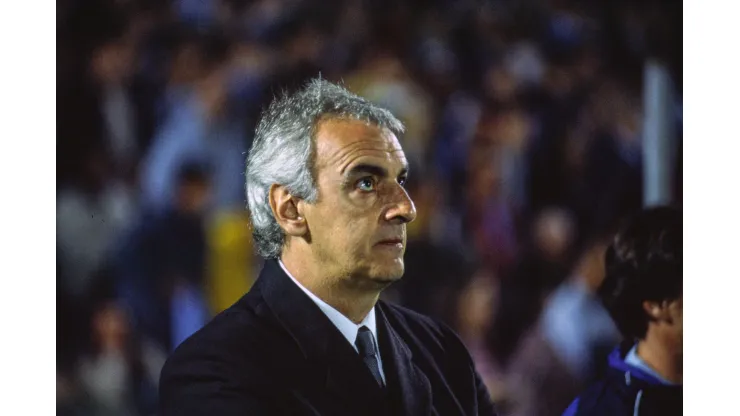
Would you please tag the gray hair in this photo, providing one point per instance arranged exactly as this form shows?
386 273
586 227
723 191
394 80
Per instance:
283 150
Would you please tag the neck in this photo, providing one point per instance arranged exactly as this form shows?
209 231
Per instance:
334 289
661 357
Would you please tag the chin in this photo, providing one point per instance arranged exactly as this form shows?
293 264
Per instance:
388 272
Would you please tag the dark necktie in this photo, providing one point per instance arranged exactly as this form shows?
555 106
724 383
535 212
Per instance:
369 354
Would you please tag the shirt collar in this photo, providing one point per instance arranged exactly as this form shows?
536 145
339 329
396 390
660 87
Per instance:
348 328
634 360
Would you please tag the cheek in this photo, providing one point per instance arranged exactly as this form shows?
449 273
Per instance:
677 317
341 228
346 222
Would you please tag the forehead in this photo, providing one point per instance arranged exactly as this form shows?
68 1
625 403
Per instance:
339 142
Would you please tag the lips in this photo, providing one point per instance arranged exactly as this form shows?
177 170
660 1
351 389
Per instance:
390 241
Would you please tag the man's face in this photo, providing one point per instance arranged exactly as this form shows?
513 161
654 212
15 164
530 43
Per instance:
357 227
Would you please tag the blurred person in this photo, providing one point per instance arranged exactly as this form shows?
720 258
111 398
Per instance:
95 105
201 125
575 322
489 216
456 133
160 262
558 108
325 186
525 62
513 133
71 329
119 373
558 356
499 85
476 308
542 264
91 211
604 155
643 292
189 62
112 68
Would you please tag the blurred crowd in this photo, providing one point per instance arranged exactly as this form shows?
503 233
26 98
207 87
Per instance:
524 123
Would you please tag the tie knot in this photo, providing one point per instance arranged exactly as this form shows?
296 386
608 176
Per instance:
365 343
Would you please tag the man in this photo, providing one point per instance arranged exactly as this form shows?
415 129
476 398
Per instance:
643 292
325 187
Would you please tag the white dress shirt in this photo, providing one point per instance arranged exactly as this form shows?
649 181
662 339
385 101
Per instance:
348 328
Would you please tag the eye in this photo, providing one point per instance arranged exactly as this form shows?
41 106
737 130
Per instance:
366 184
402 180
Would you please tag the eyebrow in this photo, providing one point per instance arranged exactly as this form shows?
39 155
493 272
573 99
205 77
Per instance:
373 170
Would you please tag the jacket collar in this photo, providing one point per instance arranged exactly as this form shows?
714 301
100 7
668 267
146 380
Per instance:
631 373
334 360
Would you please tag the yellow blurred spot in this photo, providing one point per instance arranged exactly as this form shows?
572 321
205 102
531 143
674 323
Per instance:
230 259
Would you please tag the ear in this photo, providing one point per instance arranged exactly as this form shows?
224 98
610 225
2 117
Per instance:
657 310
287 212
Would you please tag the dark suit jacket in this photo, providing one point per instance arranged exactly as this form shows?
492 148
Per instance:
274 352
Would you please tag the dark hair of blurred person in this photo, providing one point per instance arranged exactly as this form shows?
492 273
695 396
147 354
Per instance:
193 190
643 293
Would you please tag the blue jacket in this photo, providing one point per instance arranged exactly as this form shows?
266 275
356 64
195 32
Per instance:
627 390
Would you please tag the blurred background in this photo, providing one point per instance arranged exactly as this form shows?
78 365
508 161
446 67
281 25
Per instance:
532 127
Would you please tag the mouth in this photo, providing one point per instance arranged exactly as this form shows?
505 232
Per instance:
391 242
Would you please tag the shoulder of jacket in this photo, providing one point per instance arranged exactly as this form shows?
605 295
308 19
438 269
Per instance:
601 395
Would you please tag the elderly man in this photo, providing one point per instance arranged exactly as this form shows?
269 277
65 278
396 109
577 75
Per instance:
325 187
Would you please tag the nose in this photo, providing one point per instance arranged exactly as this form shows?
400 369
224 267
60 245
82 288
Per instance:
402 210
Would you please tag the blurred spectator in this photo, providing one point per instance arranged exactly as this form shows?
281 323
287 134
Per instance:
475 304
200 125
120 373
540 268
559 354
90 213
455 135
574 321
112 66
106 99
162 257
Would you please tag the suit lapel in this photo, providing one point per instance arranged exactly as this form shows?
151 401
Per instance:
333 367
408 385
